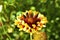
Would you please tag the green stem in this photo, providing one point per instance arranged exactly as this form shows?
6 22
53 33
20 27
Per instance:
1 37
8 36
6 33
30 36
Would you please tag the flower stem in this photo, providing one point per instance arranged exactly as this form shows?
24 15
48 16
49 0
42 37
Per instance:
30 36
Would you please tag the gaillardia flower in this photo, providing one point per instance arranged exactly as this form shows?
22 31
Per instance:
30 21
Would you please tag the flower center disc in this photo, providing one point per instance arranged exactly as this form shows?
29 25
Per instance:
29 19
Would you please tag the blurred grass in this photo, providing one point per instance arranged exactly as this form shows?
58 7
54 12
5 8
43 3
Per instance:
12 8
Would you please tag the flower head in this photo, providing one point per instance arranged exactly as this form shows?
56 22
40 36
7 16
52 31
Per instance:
31 21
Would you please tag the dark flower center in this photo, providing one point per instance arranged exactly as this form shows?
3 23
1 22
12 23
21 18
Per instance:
29 19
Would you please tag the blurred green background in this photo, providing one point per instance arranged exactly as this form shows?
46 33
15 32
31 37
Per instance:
12 8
